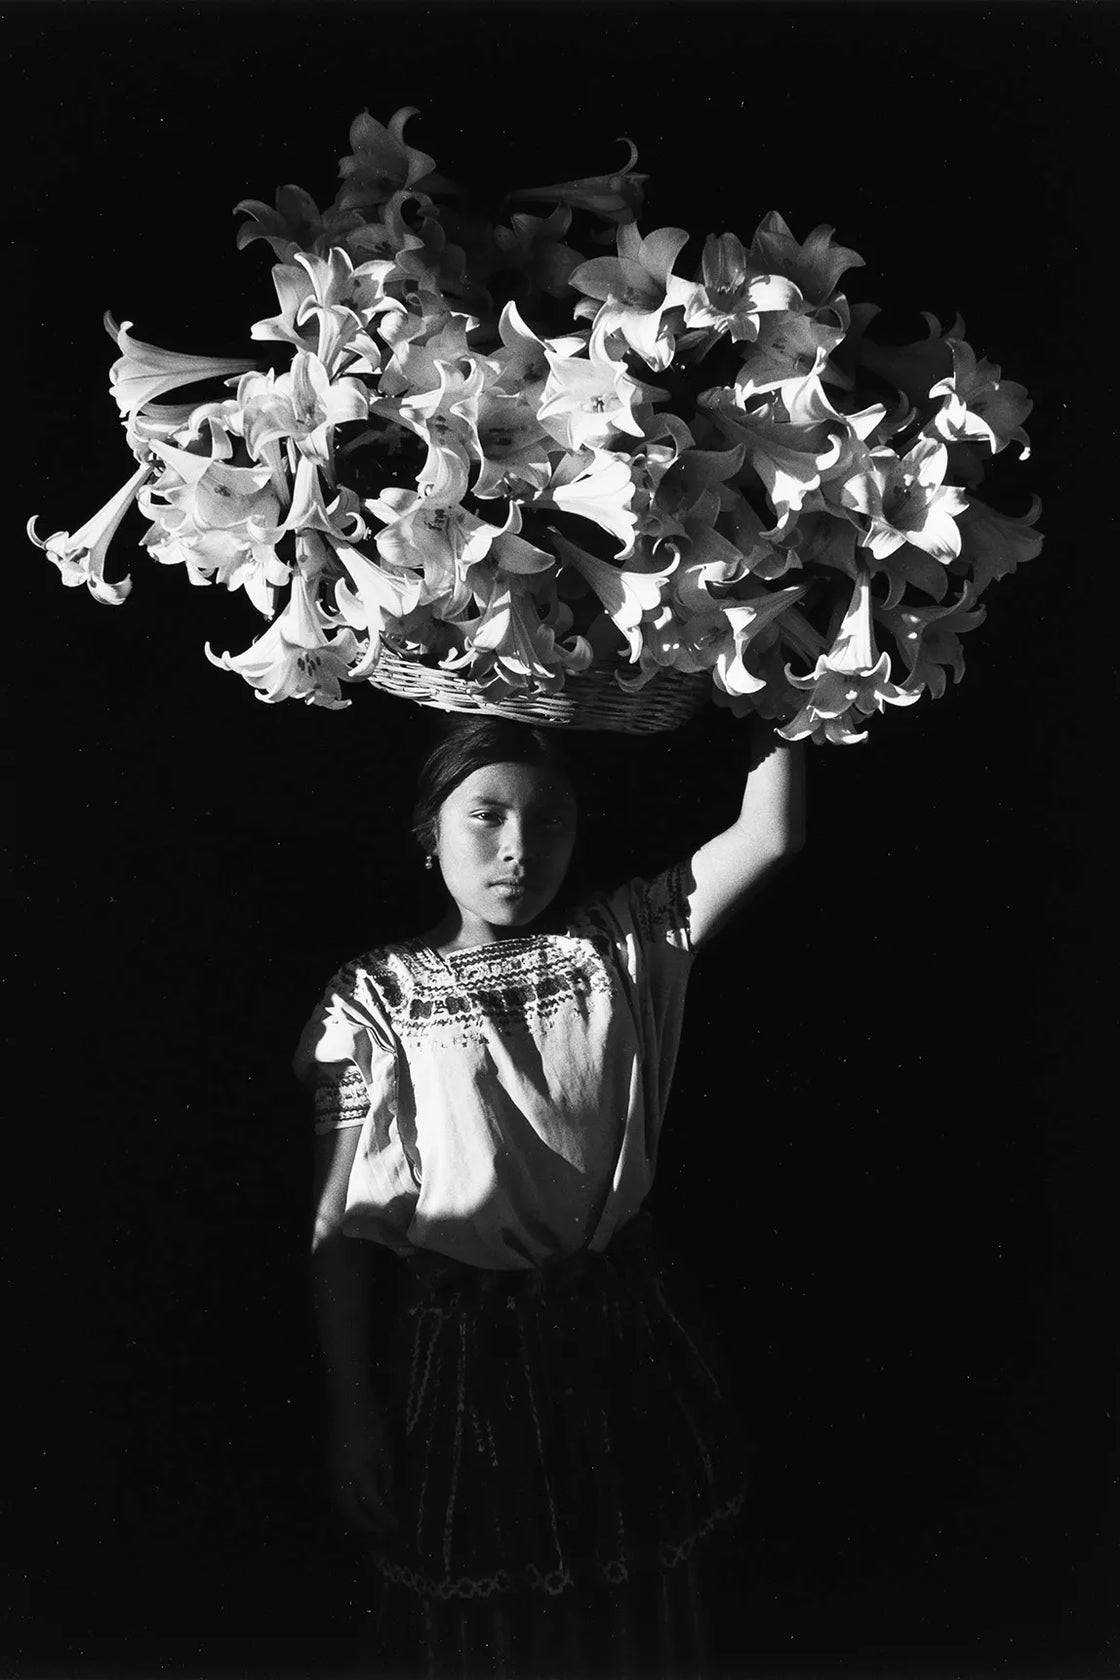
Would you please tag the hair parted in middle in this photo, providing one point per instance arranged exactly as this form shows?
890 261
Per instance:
467 744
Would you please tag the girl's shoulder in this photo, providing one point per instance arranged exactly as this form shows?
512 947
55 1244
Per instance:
648 906
381 974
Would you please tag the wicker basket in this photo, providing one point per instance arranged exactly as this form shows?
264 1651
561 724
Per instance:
592 700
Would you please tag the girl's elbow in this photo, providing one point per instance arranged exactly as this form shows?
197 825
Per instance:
786 842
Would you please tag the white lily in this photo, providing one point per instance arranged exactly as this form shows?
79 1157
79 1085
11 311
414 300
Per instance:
309 511
445 417
815 267
81 558
789 459
304 404
634 291
344 299
295 659
600 490
852 677
789 346
443 543
522 362
161 420
511 552
746 622
369 593
616 195
626 595
586 400
381 163
707 558
734 293
522 636
503 432
905 501
225 557
417 343
979 404
144 372
293 289
207 493
929 639
994 544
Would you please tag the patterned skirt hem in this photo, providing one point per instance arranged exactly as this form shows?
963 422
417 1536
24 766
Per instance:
611 1572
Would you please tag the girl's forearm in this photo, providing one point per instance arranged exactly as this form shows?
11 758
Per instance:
341 1284
774 797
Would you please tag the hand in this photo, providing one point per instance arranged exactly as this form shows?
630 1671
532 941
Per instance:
362 1473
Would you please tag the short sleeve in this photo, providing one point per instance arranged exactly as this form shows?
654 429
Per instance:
659 911
346 1055
647 922
647 925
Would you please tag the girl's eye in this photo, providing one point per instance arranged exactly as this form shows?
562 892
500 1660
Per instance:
546 819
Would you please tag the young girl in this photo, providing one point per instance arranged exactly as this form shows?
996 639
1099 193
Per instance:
538 1452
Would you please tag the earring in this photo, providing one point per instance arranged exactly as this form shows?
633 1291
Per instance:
429 861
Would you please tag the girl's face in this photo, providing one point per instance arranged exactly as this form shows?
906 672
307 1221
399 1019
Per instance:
505 839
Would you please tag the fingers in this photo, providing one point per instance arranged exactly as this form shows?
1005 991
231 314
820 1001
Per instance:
364 1484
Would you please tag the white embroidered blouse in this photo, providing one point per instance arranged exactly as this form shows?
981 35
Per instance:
510 1095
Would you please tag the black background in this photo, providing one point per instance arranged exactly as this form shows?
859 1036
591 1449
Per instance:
886 1169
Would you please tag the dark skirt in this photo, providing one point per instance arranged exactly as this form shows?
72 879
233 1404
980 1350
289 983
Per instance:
567 1461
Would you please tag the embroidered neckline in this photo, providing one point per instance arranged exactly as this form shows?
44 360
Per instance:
498 945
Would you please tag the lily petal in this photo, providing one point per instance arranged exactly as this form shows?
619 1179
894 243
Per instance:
600 490
144 371
81 558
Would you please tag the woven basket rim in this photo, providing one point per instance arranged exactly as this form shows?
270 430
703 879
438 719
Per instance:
591 699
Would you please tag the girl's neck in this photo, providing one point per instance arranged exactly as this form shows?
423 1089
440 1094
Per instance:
442 944
451 934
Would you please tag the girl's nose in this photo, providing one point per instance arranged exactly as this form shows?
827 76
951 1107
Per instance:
512 844
516 841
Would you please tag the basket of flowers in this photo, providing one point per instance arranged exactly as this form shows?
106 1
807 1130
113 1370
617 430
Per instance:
481 469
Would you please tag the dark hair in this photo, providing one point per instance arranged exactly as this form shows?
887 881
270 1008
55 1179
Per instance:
467 744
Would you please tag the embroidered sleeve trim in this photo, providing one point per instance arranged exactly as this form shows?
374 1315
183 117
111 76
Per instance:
661 905
341 1101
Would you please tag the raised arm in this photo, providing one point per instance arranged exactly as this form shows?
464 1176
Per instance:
769 830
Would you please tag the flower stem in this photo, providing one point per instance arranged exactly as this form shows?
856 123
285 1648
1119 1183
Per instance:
800 634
